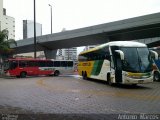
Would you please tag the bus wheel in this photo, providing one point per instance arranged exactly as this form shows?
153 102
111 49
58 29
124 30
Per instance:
23 74
110 83
156 76
56 73
85 76
109 80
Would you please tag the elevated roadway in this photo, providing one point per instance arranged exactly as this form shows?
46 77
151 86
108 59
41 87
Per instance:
147 26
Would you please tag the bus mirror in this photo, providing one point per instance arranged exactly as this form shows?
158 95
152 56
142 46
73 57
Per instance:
120 53
154 55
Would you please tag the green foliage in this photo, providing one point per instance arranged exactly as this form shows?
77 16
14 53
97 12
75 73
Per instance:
5 43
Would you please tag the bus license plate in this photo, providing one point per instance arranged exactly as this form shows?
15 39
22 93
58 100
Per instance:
140 81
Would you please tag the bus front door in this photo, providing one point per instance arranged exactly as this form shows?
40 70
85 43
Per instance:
118 70
117 64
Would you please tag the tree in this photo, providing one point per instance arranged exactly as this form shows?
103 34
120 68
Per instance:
5 49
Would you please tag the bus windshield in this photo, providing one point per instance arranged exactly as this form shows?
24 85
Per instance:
6 65
136 59
10 65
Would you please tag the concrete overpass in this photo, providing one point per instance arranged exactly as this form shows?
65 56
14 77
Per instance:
147 26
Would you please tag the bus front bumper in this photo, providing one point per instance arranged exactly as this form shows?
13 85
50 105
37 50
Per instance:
128 80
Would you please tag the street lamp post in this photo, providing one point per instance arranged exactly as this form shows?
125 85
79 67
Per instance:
51 16
35 29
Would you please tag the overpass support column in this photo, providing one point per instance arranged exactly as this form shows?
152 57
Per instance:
50 54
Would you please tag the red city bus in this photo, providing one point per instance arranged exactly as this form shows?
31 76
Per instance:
22 67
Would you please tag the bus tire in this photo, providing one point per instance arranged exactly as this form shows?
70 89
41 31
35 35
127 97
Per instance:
109 79
85 76
56 73
23 74
156 76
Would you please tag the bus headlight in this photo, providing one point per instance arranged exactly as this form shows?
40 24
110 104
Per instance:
137 75
133 75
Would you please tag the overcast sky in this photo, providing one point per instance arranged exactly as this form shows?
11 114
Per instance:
73 14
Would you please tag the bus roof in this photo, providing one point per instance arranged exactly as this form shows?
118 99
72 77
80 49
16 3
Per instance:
117 43
62 60
28 59
32 59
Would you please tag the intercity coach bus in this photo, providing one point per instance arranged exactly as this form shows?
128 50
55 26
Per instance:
124 62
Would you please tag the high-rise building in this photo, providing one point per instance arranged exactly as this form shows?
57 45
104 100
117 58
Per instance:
28 29
28 32
7 22
67 54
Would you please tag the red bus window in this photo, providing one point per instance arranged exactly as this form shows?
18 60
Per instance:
22 63
13 64
32 63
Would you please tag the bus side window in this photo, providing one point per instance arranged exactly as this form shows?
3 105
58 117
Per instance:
49 63
63 63
42 64
95 57
22 63
70 63
103 57
107 53
13 64
32 64
56 63
89 57
92 57
107 56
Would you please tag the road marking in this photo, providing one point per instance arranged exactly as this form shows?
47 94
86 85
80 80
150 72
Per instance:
40 82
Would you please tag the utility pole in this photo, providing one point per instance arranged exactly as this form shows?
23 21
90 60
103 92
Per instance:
35 29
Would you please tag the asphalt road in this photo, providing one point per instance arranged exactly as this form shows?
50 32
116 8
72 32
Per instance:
73 95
